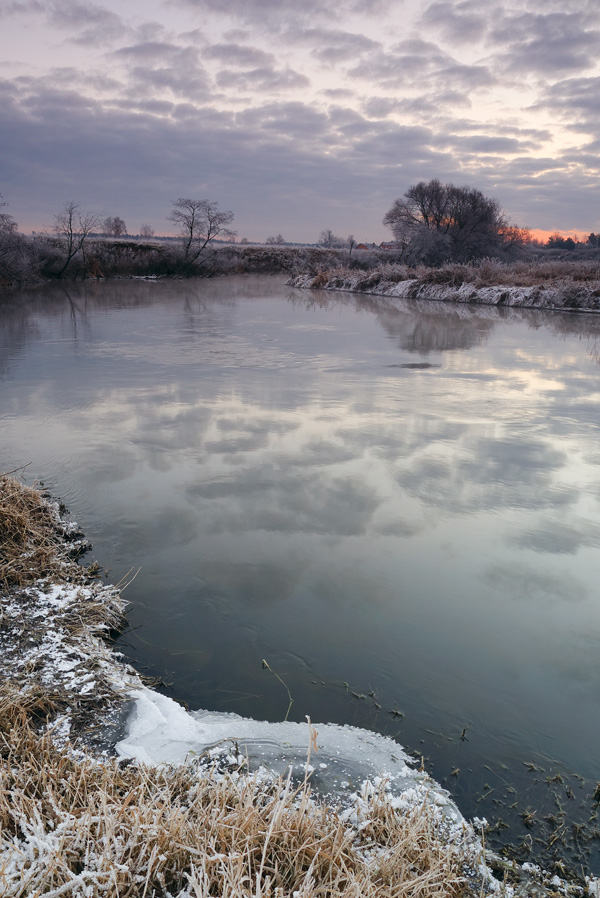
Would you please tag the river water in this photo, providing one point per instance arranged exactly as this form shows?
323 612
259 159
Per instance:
396 508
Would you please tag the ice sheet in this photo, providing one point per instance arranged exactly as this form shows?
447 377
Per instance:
161 731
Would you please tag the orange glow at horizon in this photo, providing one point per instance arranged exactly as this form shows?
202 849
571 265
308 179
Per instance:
542 236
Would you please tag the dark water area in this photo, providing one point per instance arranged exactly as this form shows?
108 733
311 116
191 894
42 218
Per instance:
397 508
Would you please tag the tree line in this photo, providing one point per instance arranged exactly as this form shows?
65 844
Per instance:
71 248
432 223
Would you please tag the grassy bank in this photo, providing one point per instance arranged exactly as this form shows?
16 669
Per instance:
76 820
526 284
43 259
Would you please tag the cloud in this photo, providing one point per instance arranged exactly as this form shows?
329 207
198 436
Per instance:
263 79
417 62
465 22
331 46
152 66
273 12
93 24
234 54
575 99
546 44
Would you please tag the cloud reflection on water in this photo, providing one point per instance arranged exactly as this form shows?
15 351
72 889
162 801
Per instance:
285 490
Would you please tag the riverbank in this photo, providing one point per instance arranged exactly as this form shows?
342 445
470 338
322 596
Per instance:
89 805
461 284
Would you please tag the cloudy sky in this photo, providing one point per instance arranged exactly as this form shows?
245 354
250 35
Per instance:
299 115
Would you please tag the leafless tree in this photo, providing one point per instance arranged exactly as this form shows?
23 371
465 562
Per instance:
275 241
146 230
438 221
199 222
114 226
72 228
328 239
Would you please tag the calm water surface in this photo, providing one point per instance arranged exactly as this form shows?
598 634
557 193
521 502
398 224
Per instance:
403 502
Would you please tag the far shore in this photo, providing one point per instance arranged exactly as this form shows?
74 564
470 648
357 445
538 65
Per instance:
561 295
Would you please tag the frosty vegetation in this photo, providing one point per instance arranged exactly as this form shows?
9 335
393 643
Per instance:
566 285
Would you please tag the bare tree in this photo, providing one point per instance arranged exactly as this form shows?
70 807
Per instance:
73 227
438 221
146 230
328 238
275 241
199 223
114 227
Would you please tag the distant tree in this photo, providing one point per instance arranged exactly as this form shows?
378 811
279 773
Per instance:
328 239
593 240
350 243
114 227
557 241
16 257
244 241
146 230
441 221
275 241
512 236
72 228
199 223
7 223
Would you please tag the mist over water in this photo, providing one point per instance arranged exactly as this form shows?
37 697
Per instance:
397 508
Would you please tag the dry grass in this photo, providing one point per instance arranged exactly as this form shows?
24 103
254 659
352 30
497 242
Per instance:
531 273
483 273
75 826
34 542
53 610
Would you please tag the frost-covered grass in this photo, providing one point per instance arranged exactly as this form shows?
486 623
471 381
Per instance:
34 541
522 273
55 614
552 285
77 826
482 273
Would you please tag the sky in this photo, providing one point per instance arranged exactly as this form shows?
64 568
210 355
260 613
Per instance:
299 115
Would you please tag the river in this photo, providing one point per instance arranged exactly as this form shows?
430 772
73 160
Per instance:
396 508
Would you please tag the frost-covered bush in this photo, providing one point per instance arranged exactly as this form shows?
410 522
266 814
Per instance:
19 260
18 256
